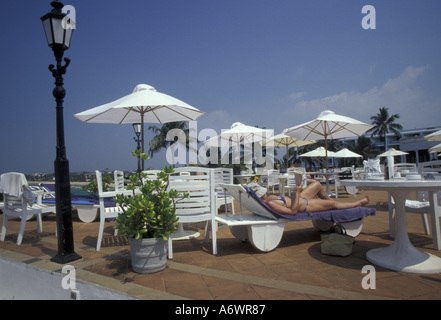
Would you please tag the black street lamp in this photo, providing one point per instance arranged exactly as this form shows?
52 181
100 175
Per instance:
138 127
58 38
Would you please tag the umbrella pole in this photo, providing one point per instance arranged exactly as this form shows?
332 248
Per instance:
326 150
287 148
142 130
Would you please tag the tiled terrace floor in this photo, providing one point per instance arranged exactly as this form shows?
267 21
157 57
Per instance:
294 270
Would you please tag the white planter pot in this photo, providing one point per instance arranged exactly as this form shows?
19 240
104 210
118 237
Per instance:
148 255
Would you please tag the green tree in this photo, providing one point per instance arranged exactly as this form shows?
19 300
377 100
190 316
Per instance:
384 123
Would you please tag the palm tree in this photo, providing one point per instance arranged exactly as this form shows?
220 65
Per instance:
159 141
383 124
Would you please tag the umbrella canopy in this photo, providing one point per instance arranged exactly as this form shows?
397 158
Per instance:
144 104
238 134
319 152
283 140
436 136
329 125
346 153
436 148
392 153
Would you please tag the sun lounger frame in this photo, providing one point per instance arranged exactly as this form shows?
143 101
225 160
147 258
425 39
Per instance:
263 229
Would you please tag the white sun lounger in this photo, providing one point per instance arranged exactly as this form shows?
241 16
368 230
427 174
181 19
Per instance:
264 227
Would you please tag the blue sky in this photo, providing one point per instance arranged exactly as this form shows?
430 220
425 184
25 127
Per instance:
274 64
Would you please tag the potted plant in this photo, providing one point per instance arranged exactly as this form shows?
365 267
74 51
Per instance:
148 218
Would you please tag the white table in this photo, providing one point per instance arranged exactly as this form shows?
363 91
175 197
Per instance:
402 255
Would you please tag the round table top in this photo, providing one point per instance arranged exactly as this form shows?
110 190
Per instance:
394 183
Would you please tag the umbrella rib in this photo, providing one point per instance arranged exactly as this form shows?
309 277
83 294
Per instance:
127 113
180 113
154 113
97 115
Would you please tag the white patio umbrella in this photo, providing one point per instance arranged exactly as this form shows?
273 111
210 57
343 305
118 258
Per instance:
392 153
328 125
436 136
436 148
144 104
283 140
319 152
238 134
346 153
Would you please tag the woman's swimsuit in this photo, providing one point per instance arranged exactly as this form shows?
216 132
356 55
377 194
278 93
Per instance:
306 203
284 201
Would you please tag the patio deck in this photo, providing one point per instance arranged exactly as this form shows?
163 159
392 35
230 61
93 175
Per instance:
295 270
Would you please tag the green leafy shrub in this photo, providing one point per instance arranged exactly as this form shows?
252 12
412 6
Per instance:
150 211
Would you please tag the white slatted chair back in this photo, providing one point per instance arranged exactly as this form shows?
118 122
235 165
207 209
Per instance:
105 211
152 174
430 169
399 167
223 175
118 178
201 204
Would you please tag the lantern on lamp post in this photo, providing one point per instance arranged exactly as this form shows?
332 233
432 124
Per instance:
58 34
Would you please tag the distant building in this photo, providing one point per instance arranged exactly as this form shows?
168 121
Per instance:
411 141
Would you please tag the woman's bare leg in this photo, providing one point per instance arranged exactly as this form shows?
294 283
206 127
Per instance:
314 189
316 205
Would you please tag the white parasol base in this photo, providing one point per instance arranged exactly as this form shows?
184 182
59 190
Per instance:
406 259
182 234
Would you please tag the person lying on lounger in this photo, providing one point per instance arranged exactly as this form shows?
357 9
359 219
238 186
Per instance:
311 199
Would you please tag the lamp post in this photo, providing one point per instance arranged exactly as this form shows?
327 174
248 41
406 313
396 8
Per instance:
58 37
138 127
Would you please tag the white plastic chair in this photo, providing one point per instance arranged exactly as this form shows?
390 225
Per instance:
105 212
223 175
270 180
430 169
411 167
152 174
201 205
420 206
118 178
19 202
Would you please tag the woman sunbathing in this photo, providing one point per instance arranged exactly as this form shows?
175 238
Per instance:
311 199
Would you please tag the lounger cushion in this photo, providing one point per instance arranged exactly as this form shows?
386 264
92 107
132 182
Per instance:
337 216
